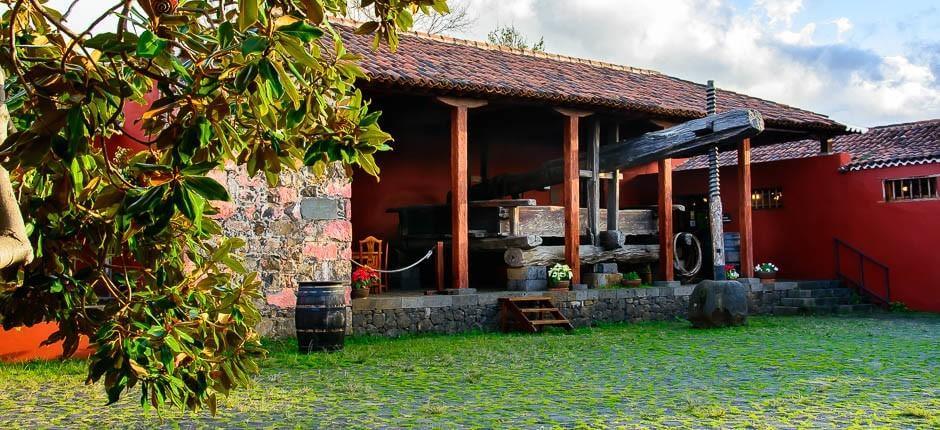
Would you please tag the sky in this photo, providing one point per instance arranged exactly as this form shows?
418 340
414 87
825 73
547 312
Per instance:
862 62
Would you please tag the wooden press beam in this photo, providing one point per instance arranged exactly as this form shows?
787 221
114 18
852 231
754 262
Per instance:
593 182
572 196
613 186
460 235
744 209
667 252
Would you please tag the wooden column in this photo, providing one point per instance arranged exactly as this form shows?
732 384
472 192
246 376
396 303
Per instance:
613 185
460 236
572 197
594 182
744 209
667 253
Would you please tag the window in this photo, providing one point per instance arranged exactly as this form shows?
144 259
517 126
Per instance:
767 198
910 189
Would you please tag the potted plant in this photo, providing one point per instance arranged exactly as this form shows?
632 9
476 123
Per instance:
767 272
362 280
731 273
632 280
559 276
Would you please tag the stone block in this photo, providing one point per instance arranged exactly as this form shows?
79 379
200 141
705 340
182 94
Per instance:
527 273
718 304
579 287
624 293
605 268
527 285
684 290
317 208
601 280
386 302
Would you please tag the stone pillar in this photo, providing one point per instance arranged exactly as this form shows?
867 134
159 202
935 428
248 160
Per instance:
297 231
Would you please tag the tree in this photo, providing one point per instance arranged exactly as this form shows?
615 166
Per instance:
125 252
509 36
456 20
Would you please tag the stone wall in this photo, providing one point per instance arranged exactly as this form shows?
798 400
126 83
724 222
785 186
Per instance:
299 230
394 316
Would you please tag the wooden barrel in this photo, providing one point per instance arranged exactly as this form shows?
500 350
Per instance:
320 317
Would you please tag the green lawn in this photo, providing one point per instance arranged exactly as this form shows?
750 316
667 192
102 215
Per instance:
796 372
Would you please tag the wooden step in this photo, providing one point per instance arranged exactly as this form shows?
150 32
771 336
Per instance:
533 310
550 322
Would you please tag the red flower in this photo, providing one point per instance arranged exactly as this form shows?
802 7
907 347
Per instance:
364 274
729 267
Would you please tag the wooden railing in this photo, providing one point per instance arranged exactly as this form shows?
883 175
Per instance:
870 277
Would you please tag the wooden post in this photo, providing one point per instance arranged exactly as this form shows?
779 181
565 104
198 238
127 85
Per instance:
594 182
439 264
613 185
715 212
572 198
744 209
460 236
667 253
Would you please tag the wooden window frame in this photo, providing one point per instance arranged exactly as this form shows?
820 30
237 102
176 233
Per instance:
766 194
918 188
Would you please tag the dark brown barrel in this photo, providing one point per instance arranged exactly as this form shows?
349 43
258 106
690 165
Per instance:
320 316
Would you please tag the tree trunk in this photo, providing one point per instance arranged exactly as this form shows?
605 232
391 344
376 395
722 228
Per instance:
548 255
14 245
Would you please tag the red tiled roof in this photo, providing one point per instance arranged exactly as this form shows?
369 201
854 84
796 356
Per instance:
448 65
885 146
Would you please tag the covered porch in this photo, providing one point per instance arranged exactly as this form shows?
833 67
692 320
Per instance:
437 189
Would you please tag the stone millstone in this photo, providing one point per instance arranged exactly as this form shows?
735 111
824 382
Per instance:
718 304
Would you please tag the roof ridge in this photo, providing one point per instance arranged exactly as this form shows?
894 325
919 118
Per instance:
906 124
496 47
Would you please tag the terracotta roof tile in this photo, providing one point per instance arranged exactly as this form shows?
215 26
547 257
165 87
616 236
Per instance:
885 146
451 65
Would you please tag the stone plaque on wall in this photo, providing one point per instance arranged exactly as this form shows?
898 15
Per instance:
320 208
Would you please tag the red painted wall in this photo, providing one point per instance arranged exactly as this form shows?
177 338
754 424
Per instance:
821 204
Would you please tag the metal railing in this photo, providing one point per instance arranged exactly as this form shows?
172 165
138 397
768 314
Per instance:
858 280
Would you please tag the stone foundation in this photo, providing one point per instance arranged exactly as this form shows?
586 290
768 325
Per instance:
394 316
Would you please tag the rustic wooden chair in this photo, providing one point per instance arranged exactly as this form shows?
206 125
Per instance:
370 254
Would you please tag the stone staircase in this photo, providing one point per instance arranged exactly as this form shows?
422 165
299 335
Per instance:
821 297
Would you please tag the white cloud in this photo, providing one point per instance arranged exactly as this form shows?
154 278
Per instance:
743 50
780 11
843 25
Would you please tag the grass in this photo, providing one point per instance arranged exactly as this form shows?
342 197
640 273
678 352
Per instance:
799 372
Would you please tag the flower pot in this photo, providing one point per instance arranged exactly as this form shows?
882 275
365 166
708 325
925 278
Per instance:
631 283
360 293
561 286
766 277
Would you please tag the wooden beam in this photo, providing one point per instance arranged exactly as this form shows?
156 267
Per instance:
571 197
439 265
825 145
462 102
549 255
573 112
613 185
744 209
684 140
665 220
594 183
460 240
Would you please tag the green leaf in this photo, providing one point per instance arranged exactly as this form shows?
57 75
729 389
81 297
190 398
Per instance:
207 187
199 169
189 204
247 13
298 52
78 179
288 85
150 45
270 75
301 30
368 27
254 44
226 34
245 76
146 201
